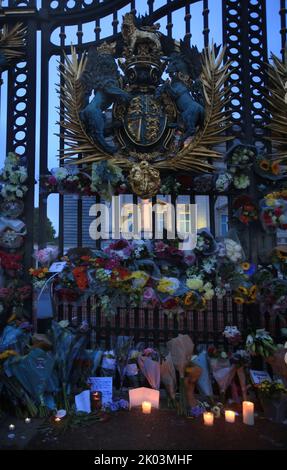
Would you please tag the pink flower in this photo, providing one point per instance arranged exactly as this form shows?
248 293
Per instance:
190 259
52 180
160 246
148 294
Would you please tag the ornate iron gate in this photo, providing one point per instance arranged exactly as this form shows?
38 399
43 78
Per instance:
244 33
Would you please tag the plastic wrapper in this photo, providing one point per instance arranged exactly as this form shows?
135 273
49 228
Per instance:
168 376
34 372
222 372
204 382
13 338
181 350
151 370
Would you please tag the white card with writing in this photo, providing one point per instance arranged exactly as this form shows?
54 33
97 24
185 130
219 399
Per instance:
83 402
57 267
259 376
103 385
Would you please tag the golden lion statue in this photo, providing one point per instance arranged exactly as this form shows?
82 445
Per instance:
132 35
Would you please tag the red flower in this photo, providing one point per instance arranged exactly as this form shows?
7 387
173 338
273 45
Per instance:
170 303
278 211
81 278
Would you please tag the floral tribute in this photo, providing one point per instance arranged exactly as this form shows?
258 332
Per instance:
14 291
153 274
273 211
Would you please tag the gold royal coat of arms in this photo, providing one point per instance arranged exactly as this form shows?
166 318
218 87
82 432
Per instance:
118 106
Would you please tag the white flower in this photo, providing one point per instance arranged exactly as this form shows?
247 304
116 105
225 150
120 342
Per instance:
233 250
209 294
60 173
231 331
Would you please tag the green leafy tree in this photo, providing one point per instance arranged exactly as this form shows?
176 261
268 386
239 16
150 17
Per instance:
50 231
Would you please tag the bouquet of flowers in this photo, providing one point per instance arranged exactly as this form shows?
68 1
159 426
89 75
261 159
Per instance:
268 389
13 177
105 178
233 335
241 155
168 378
273 169
260 343
109 364
245 210
273 211
181 350
46 256
279 259
149 365
223 182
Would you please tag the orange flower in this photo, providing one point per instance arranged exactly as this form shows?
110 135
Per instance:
264 165
81 277
275 167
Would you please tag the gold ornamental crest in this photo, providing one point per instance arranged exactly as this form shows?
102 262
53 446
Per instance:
135 118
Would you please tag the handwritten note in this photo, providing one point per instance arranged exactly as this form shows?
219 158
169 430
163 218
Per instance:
104 385
259 376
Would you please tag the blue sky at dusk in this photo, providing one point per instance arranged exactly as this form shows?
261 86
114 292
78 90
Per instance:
215 20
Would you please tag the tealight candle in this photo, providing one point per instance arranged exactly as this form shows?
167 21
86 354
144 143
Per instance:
248 413
230 416
208 418
146 407
12 427
28 420
57 420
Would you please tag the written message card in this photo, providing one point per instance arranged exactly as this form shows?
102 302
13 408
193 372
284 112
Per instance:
103 385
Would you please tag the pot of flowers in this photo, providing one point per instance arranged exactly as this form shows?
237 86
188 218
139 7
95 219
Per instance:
273 397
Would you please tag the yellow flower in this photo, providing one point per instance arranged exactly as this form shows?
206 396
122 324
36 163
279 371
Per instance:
253 291
7 354
242 290
168 285
188 298
238 300
245 266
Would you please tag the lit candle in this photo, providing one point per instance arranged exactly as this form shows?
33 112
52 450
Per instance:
57 420
12 427
230 416
208 418
248 412
96 401
146 407
28 420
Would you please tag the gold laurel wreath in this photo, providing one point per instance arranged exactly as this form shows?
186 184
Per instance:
276 99
194 156
12 41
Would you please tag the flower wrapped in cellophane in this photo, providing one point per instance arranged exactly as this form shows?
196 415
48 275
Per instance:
181 351
168 379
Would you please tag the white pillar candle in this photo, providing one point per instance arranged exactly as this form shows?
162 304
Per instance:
208 418
230 416
28 420
146 407
248 412
12 427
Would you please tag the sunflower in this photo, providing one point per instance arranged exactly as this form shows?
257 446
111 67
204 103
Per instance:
245 266
188 298
242 290
264 165
253 292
